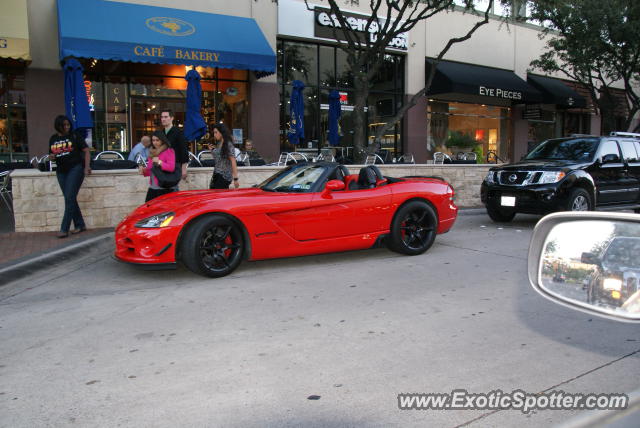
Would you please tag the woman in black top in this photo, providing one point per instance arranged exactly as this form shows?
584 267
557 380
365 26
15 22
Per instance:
71 154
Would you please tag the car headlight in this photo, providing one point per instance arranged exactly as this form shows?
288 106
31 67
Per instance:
158 220
551 177
489 177
612 284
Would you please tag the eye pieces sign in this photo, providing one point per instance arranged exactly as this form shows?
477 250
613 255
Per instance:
500 93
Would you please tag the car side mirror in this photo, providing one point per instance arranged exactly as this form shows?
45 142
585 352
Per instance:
332 186
589 258
610 158
565 245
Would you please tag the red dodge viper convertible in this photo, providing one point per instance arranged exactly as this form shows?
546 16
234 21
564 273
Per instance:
307 208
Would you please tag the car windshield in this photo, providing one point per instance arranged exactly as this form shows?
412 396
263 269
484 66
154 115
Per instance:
575 149
624 252
298 178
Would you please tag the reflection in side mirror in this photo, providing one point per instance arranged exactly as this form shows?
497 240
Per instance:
590 261
589 258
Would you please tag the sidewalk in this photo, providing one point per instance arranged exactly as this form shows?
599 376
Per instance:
21 252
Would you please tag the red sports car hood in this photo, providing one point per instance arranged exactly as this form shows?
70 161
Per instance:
180 200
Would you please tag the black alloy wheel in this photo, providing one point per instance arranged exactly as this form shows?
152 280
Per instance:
213 246
413 228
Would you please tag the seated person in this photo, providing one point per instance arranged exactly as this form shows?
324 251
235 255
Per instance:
249 150
254 157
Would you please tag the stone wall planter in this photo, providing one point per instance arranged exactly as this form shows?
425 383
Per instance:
106 197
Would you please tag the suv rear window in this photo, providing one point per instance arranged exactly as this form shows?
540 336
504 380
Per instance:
629 151
576 149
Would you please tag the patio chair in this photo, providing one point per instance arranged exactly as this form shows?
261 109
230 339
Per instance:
282 159
406 158
439 157
373 159
205 157
242 159
326 155
43 163
140 160
109 155
5 192
288 158
299 157
194 161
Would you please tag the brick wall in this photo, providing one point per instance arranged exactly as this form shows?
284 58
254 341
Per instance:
106 197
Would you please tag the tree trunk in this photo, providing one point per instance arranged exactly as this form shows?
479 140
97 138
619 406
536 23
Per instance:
360 121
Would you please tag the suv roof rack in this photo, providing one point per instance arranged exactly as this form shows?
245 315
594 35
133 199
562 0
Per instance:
624 134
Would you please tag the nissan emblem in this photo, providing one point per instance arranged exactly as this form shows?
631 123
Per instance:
512 178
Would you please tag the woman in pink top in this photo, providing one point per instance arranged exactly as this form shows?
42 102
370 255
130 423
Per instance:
162 155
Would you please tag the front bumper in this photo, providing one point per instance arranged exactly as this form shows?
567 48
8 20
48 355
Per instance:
537 199
153 246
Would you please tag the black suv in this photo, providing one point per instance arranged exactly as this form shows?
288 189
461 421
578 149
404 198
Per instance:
617 272
578 173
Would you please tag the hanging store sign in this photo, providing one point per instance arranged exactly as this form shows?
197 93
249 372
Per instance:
116 103
326 25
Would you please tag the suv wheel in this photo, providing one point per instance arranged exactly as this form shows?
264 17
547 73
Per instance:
579 200
499 215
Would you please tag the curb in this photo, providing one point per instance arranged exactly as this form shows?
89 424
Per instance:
33 263
471 211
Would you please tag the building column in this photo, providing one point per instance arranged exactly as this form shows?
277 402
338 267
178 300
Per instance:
45 101
520 132
264 118
415 130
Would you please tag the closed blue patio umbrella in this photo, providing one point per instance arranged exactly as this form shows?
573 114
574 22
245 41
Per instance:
75 95
194 125
296 125
335 111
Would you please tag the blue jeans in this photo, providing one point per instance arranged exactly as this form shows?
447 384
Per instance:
70 182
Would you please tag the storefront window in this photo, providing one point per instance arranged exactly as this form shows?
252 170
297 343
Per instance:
322 69
546 122
127 107
301 61
13 118
488 125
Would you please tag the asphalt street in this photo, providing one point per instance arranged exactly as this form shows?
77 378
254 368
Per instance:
326 341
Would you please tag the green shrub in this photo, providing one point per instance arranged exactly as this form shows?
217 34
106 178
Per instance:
461 140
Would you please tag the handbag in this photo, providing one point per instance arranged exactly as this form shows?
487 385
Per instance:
167 180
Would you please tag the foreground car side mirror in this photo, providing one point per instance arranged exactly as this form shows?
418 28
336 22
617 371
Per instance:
598 257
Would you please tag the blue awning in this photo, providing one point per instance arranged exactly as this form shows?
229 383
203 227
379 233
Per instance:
130 32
